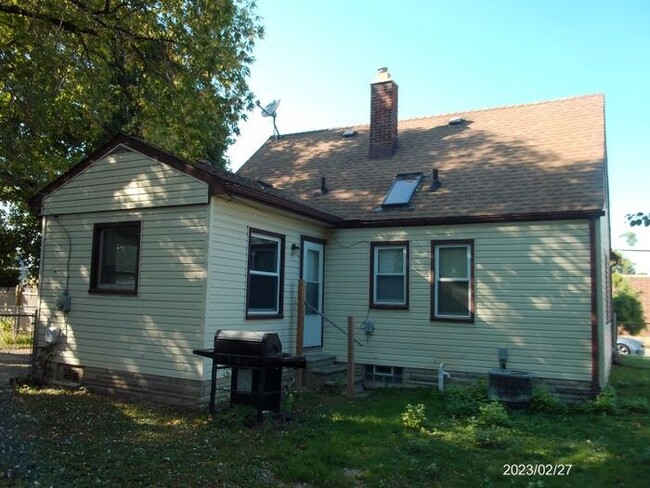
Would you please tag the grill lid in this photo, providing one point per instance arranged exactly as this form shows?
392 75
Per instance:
247 343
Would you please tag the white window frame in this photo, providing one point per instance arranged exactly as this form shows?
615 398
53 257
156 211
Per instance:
376 274
468 279
276 274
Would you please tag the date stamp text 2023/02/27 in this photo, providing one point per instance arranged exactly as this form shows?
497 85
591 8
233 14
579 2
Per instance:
537 469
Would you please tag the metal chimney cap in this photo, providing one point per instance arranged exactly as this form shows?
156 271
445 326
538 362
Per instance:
383 75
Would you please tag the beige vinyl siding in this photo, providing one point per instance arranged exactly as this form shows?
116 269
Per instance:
152 333
230 221
126 180
532 285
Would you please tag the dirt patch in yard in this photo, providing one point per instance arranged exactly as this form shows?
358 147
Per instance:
13 363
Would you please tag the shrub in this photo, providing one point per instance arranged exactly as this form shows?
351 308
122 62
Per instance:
414 416
606 401
465 401
493 414
543 401
635 405
584 407
461 402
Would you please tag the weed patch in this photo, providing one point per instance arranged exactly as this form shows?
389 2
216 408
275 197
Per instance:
414 416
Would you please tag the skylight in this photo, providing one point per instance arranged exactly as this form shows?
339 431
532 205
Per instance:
402 190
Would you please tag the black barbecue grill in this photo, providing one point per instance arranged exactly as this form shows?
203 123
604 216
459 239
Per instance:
256 360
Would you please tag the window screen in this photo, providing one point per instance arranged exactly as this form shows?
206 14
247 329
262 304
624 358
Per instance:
389 264
452 293
265 258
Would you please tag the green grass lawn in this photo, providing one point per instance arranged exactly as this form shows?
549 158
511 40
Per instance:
7 337
64 438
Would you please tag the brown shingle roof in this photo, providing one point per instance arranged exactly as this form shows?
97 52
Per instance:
535 159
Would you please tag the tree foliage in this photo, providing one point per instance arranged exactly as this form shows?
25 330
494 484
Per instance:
75 72
623 265
639 218
627 305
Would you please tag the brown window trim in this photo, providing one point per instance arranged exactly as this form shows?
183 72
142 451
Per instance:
280 313
371 297
472 301
93 287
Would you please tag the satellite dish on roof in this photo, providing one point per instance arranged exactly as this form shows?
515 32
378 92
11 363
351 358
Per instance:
270 110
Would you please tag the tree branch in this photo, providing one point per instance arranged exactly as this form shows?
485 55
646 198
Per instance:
106 9
64 24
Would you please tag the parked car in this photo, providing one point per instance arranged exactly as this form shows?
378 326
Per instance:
628 345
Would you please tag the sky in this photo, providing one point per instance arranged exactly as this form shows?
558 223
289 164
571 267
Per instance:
319 58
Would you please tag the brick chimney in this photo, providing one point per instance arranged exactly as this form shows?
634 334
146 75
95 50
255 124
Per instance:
383 116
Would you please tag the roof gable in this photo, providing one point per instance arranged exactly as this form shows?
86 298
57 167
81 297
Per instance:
219 181
125 179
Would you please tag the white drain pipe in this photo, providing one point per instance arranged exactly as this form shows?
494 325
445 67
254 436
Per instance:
442 376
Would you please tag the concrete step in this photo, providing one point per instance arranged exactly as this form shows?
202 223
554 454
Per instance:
319 359
329 370
333 377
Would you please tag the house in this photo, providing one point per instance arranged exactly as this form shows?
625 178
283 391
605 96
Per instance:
446 237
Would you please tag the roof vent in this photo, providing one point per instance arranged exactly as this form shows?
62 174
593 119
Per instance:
456 121
435 182
265 184
323 185
349 133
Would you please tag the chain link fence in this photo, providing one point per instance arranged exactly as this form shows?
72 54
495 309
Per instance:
17 321
17 318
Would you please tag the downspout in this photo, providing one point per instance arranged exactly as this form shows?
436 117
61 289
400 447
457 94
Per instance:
594 308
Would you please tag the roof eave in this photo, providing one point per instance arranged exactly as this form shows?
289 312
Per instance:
473 219
278 202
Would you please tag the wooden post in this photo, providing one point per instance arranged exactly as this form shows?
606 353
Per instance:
300 330
350 388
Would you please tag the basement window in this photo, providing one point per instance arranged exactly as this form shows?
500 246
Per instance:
402 190
385 375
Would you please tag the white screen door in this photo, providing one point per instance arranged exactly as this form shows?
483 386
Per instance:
312 273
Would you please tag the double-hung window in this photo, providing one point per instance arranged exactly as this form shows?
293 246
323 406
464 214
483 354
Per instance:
389 263
265 275
115 258
452 289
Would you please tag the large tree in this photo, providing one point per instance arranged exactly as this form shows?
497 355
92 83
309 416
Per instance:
74 72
